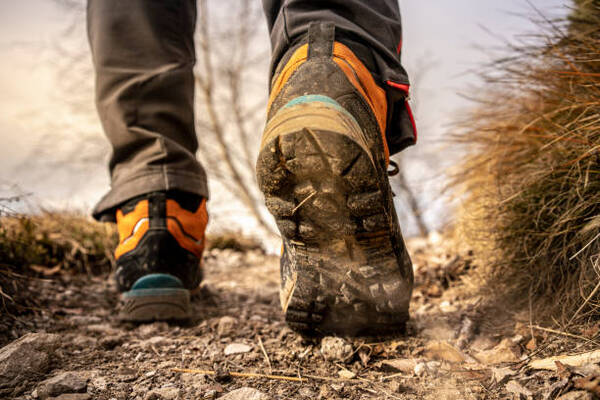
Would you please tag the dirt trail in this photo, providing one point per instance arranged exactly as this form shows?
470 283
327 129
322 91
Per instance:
451 350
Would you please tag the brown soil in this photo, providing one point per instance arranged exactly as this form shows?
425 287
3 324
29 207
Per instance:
452 350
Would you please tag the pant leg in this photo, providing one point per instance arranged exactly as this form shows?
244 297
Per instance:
373 31
143 54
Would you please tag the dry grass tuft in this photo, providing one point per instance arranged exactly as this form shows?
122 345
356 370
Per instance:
531 180
234 241
47 245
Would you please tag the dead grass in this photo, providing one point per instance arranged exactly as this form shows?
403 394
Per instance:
234 241
50 244
531 183
34 247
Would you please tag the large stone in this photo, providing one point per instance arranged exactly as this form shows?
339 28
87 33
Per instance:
245 393
26 357
66 382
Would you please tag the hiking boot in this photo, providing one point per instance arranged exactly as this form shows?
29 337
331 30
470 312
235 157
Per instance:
322 167
161 240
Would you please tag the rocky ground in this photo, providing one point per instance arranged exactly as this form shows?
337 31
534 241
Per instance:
238 347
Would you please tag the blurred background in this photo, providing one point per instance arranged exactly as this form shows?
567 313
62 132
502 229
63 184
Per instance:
53 154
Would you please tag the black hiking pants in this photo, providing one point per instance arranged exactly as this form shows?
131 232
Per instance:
143 54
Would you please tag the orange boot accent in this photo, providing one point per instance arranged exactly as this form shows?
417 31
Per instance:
131 227
188 227
363 81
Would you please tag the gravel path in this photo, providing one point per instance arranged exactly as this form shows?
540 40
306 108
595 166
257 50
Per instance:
238 346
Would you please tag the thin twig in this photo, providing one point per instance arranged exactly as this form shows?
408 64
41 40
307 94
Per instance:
585 247
540 328
378 387
398 375
584 303
303 378
262 348
531 318
303 201
155 351
241 374
4 295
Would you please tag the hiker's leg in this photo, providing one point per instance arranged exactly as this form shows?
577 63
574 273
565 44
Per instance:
143 53
371 29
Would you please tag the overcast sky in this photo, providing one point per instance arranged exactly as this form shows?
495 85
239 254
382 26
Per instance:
443 41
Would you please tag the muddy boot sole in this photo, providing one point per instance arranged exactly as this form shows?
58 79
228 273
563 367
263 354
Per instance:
147 301
333 207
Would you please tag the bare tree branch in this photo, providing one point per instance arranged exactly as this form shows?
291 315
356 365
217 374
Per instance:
207 87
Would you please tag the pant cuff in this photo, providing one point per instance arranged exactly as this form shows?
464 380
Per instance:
129 188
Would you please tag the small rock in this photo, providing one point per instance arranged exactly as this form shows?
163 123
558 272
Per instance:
105 329
29 355
72 396
147 330
577 395
99 383
245 393
125 374
502 374
447 307
482 343
517 389
420 369
443 351
517 339
212 391
433 366
504 352
423 368
406 365
226 325
166 365
345 374
164 393
85 320
66 382
257 318
237 348
338 387
154 341
335 349
83 341
305 391
110 342
191 382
